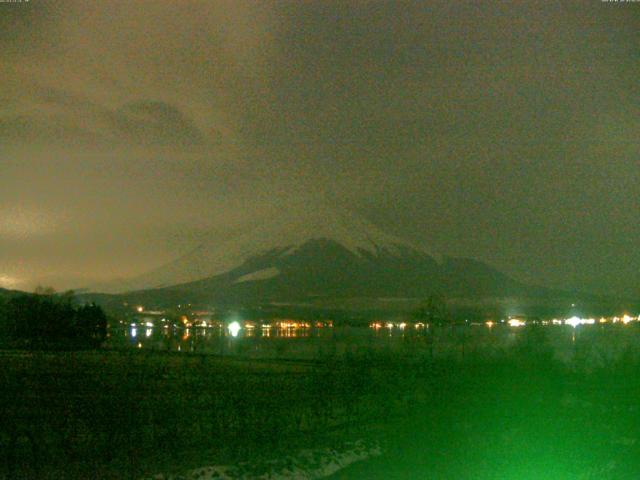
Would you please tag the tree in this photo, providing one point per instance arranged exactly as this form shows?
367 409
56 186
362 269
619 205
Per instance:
91 324
433 310
46 319
4 328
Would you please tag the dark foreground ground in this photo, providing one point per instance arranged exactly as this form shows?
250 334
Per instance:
517 423
514 415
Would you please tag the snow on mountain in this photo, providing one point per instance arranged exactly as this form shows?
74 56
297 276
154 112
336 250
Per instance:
263 274
284 235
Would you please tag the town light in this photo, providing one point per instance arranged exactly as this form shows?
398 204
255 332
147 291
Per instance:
234 329
573 321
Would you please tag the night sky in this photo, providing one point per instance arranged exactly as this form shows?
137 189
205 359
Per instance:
507 132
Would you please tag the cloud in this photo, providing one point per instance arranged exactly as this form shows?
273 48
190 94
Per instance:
148 122
20 223
59 120
484 130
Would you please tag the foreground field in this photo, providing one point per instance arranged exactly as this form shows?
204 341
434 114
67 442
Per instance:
518 415
517 419
127 415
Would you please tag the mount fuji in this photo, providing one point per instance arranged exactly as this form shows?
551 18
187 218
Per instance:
325 254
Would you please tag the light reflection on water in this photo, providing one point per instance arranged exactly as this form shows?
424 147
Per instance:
263 340
215 339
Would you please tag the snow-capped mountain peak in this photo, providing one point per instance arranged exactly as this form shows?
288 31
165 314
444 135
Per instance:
284 235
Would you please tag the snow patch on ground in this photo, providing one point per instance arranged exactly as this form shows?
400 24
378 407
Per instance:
264 274
305 465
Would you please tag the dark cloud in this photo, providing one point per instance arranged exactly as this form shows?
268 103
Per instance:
502 131
59 117
148 122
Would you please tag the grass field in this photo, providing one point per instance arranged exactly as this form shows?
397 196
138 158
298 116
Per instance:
127 414
512 420
130 414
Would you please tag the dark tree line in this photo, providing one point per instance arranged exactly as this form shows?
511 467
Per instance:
49 320
433 310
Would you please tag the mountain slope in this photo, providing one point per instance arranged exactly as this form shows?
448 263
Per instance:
322 271
284 234
317 257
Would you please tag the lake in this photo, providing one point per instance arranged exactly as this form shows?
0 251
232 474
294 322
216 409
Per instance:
586 343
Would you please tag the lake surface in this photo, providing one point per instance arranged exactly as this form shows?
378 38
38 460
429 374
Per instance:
586 343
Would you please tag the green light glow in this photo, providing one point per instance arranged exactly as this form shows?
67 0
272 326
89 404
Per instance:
234 328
